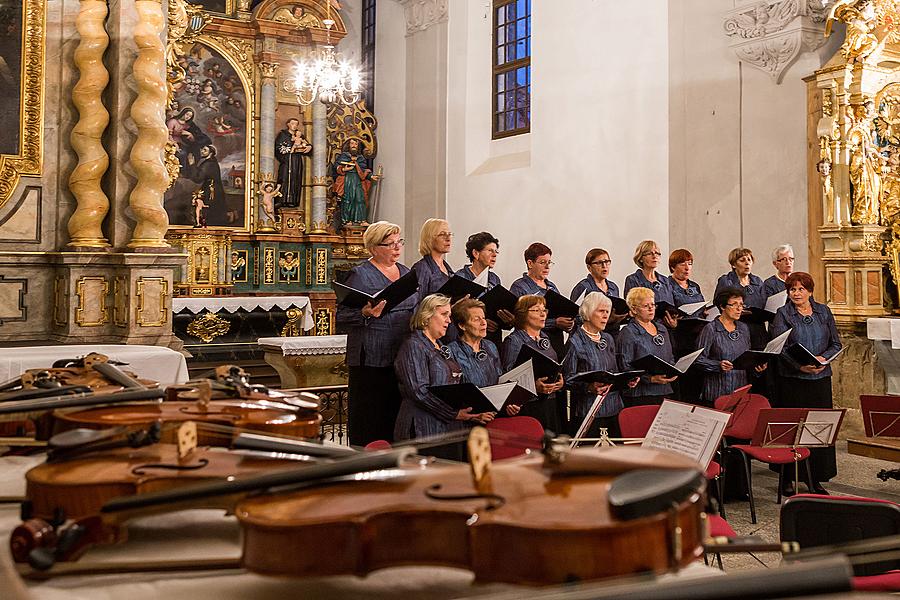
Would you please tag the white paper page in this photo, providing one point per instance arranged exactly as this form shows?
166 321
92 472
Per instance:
580 298
693 431
497 394
776 301
712 313
523 375
820 427
685 362
776 345
829 361
692 307
482 279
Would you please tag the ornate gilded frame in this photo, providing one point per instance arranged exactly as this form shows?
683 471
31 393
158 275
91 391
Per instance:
29 160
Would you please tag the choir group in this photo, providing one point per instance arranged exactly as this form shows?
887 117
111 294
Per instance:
395 356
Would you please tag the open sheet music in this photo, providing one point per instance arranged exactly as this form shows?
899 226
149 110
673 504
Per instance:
691 430
523 375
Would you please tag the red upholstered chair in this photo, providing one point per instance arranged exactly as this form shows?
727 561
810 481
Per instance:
635 421
378 445
812 520
514 436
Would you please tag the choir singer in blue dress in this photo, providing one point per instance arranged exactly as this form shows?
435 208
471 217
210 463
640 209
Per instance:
535 281
646 257
433 271
590 349
640 337
598 264
482 249
783 261
373 338
423 361
740 276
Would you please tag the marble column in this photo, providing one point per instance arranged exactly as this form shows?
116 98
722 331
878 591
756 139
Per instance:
148 113
85 224
267 105
318 217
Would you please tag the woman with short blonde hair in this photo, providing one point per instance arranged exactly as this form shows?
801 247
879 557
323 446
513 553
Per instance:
741 261
646 257
432 269
373 338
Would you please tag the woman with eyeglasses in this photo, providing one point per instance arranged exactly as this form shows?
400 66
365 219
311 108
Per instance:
783 261
598 264
432 269
741 261
723 340
531 314
796 386
476 355
535 282
423 361
482 249
374 337
640 337
646 257
590 349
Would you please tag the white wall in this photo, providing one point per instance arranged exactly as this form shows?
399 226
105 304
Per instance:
594 169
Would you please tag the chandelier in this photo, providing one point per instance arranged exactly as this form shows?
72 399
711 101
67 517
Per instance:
327 76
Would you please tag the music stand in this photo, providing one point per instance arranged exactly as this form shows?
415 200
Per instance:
589 420
881 415
795 428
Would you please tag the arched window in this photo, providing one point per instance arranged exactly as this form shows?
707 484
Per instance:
512 67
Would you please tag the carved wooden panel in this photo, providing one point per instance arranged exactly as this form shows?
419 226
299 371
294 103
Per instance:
838 287
12 299
873 288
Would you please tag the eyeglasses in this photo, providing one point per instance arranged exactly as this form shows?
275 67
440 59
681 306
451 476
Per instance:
538 310
445 234
490 251
398 244
735 305
544 263
646 306
602 263
652 253
785 259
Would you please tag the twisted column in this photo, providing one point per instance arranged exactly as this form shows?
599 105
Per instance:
148 113
84 182
319 209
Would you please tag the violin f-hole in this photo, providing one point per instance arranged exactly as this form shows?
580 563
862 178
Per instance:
494 501
142 469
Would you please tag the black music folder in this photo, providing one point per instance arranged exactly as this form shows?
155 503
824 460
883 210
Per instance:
619 306
393 294
804 357
654 365
543 365
760 316
492 398
458 287
560 306
753 358
498 298
618 380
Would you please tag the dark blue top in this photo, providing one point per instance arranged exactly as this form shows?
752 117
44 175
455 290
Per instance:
582 355
817 332
588 285
374 342
481 368
754 295
430 281
720 344
525 286
635 342
662 290
466 272
513 344
420 365
772 286
688 295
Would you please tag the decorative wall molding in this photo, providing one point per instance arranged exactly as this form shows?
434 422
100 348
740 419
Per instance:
12 299
771 35
422 14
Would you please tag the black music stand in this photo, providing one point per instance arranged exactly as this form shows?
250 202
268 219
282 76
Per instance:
881 415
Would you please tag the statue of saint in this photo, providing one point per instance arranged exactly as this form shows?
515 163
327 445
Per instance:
890 198
352 183
824 169
865 166
860 43
290 148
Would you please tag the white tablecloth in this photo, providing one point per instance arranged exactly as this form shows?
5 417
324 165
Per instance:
232 303
313 344
149 362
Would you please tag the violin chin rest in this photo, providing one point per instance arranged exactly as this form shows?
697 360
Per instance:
645 492
79 437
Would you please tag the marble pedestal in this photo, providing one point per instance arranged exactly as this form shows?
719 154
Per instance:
310 361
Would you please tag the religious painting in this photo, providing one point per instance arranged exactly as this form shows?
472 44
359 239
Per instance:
10 74
238 266
207 122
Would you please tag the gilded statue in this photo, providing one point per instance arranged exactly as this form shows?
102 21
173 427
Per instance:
824 169
865 165
296 16
860 43
890 198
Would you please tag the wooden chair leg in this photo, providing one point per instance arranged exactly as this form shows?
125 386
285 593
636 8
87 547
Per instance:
720 491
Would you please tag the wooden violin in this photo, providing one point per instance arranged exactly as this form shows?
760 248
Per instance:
579 515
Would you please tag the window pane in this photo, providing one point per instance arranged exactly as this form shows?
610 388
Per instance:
511 12
499 103
522 76
501 16
521 28
511 80
501 36
510 119
500 85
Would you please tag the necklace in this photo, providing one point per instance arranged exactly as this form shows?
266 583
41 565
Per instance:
596 337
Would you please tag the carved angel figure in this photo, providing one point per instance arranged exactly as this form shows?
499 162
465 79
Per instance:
269 191
865 166
861 43
824 169
296 16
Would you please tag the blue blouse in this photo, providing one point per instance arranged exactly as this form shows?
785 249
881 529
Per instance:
772 286
754 295
431 278
817 332
525 286
481 368
662 288
635 342
420 365
584 354
588 285
466 272
688 295
374 342
720 344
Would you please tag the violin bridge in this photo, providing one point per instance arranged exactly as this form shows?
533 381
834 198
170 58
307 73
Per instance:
187 439
479 446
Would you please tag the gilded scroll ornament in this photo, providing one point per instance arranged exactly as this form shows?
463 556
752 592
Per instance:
865 165
148 113
208 327
85 224
239 49
294 325
323 321
871 24
186 22
150 304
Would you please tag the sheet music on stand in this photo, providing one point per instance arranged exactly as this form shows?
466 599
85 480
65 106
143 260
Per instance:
687 429
881 415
